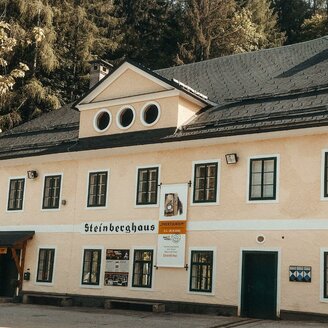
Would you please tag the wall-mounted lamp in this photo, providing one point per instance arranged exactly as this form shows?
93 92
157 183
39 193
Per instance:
231 158
32 174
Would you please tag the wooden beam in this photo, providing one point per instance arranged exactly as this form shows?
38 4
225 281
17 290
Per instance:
21 272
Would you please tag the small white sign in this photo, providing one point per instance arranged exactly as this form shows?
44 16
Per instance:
171 251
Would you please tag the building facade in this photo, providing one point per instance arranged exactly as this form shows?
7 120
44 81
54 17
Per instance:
202 186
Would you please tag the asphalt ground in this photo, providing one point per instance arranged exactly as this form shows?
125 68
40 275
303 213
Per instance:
42 316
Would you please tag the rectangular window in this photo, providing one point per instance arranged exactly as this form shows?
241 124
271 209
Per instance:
147 186
263 176
201 271
91 266
97 189
326 176
16 194
142 268
325 275
205 182
45 265
51 192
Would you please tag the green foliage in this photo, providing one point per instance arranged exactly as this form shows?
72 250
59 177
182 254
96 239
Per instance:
56 39
315 27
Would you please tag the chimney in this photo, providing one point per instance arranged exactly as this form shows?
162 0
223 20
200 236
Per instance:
98 70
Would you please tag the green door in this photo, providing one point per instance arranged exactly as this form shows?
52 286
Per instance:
259 284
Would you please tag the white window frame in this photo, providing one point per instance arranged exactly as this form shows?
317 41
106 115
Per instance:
39 283
118 115
95 118
101 273
107 191
218 182
143 111
136 186
24 194
60 193
142 289
269 201
212 249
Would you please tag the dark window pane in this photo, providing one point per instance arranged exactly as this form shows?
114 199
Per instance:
147 186
262 184
91 267
16 194
201 271
142 268
97 189
51 192
45 265
205 183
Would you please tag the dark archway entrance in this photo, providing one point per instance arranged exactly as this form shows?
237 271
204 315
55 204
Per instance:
12 260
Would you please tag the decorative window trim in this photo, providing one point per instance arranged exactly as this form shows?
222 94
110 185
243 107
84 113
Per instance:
218 183
323 299
107 191
8 191
43 283
103 110
60 192
264 201
143 289
118 115
101 273
323 197
143 111
201 249
158 166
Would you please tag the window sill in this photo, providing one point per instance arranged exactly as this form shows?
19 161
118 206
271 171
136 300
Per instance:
201 293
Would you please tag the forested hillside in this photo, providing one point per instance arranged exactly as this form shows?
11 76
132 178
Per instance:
46 44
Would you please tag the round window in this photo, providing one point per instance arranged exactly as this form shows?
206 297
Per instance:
102 120
125 117
150 114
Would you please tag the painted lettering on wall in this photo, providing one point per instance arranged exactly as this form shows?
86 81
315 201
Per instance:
119 227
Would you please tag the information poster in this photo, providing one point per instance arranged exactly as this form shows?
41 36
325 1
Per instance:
117 267
172 226
171 244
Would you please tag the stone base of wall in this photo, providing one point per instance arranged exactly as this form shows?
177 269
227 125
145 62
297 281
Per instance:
135 303
303 316
143 305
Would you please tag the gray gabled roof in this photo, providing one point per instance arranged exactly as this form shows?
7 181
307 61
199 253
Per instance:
271 72
269 90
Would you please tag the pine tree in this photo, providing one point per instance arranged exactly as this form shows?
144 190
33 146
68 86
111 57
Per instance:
31 23
206 29
315 27
147 35
266 22
291 16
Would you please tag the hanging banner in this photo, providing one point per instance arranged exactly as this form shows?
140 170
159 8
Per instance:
173 202
117 267
171 244
172 226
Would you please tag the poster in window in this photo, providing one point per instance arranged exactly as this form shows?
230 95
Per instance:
173 202
117 267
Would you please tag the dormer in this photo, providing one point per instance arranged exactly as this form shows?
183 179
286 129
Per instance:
133 98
